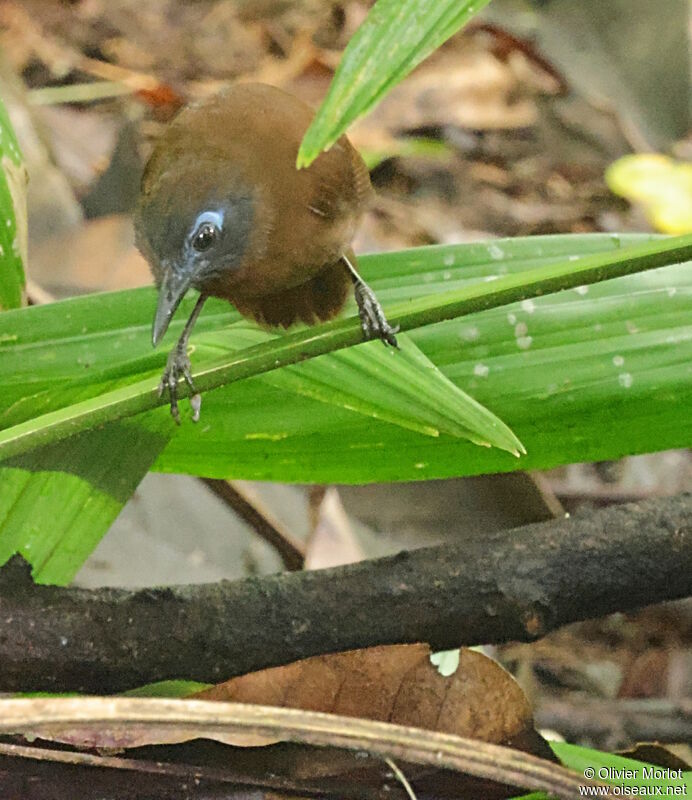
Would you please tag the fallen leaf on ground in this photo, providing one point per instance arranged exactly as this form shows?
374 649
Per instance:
395 684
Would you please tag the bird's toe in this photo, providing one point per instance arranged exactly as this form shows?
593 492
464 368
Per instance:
373 322
178 366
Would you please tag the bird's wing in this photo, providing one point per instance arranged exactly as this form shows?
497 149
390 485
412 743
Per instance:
340 184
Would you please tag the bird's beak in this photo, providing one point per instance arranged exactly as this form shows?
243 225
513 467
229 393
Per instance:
173 288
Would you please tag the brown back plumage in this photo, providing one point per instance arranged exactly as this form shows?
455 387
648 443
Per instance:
246 140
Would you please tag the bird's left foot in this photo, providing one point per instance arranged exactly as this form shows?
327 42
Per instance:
178 366
372 318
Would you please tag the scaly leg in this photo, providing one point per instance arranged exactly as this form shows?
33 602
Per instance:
178 365
372 318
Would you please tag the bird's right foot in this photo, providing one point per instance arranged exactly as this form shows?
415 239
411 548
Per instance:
178 366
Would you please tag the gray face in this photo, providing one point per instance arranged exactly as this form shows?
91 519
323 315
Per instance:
198 245
191 239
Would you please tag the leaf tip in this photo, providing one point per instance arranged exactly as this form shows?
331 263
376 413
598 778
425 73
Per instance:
304 158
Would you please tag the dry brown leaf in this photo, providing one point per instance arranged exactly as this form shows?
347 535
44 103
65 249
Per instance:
395 684
84 251
463 86
81 142
647 674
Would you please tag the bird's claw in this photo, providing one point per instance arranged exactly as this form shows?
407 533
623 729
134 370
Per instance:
372 319
178 366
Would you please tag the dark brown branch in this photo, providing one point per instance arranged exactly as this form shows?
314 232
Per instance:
510 585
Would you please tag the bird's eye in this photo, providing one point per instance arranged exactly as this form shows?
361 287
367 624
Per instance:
205 236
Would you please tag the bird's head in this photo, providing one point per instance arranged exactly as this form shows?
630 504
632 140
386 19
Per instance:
192 232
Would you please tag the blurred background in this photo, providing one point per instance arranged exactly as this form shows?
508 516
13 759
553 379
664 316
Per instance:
514 127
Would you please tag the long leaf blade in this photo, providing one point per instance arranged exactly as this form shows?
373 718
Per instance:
423 310
13 218
407 31
402 387
56 503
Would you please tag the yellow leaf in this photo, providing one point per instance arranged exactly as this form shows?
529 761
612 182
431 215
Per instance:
660 184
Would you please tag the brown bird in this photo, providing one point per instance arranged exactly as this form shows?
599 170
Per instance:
224 210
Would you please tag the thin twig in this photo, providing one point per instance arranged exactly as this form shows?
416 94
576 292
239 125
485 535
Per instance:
37 295
403 780
249 506
77 93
